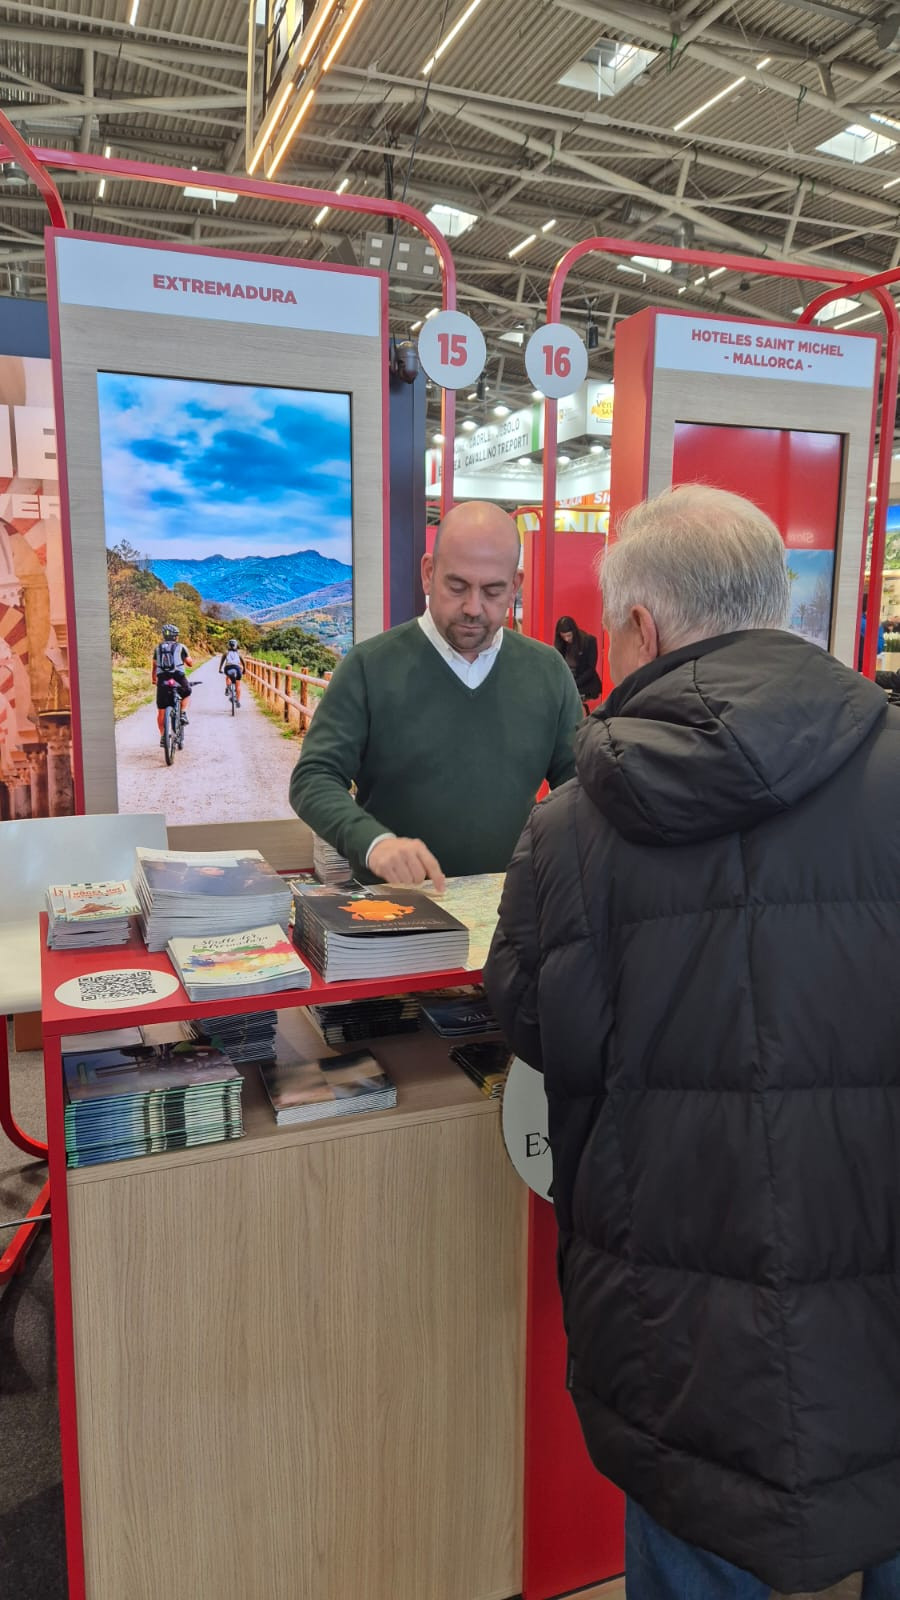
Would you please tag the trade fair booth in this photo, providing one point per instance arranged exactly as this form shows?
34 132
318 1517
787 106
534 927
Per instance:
329 1360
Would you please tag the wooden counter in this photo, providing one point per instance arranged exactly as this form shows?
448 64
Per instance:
297 1359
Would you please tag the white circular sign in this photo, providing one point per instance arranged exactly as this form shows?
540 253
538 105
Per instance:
114 990
525 1127
452 349
556 360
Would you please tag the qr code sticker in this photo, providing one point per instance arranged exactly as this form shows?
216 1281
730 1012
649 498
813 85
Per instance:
113 986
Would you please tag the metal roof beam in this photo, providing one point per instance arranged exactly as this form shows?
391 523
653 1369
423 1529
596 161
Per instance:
145 53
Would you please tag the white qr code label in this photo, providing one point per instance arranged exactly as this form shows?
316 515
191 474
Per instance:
112 991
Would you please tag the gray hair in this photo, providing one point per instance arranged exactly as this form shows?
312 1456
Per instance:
702 561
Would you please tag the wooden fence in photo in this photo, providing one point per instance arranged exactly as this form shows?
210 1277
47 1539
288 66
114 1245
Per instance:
285 691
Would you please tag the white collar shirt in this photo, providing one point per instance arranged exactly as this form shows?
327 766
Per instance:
471 673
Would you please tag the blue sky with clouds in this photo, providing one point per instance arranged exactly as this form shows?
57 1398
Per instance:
196 469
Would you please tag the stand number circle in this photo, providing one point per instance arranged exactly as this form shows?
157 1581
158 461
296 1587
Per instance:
556 360
452 349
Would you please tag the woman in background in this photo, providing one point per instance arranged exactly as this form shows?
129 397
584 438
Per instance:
579 651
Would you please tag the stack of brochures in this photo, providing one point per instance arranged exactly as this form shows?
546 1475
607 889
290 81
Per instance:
335 1086
189 894
377 932
329 865
352 1020
134 1099
459 1013
230 965
84 916
486 1064
247 1036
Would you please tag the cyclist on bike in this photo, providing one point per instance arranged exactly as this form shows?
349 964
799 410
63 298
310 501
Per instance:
232 664
169 661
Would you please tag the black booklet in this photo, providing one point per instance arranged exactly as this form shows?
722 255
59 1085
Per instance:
377 932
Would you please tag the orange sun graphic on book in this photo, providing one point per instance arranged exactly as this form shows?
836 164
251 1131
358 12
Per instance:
377 911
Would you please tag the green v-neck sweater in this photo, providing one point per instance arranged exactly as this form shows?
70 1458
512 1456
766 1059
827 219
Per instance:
432 759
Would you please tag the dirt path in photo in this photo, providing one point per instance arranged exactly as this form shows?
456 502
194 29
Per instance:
232 768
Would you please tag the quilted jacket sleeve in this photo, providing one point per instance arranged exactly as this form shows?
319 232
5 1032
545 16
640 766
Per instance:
511 972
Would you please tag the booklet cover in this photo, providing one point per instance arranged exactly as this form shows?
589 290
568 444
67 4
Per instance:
380 909
104 1074
92 902
238 958
304 1090
206 873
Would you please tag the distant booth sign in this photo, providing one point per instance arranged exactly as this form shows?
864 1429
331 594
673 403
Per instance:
783 415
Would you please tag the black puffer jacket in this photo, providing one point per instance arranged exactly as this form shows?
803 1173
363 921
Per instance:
700 946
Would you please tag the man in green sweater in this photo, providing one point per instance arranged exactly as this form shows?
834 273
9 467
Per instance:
448 725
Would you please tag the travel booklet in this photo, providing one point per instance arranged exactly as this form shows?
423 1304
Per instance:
84 916
247 1036
459 1013
352 1020
476 902
194 894
376 932
486 1064
258 961
336 1086
138 1100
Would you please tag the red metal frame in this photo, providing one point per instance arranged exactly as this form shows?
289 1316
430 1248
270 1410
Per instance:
36 163
751 266
13 1258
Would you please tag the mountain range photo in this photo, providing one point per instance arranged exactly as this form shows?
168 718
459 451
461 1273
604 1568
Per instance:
263 588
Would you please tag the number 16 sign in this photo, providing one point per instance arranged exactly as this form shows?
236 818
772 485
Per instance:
452 349
556 360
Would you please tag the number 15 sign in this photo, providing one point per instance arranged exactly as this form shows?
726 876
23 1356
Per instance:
452 349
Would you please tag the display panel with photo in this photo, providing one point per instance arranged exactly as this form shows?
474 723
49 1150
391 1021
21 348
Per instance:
228 514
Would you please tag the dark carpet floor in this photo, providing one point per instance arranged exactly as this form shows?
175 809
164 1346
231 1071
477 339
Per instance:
32 1560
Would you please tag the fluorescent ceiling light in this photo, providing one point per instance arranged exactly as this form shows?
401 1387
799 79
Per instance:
448 38
766 62
451 221
635 271
655 263
437 438
563 461
708 105
135 8
351 18
856 144
501 411
890 184
853 320
469 425
596 449
268 123
417 325
548 225
432 313
536 394
309 42
717 273
522 245
193 192
320 216
292 127
834 308
101 187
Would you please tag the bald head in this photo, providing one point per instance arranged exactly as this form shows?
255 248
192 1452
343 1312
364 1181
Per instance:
477 525
472 575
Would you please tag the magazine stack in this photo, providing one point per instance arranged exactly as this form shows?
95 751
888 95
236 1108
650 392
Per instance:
226 967
329 865
352 1020
133 1099
336 1086
486 1064
247 1036
376 932
85 916
196 894
459 1013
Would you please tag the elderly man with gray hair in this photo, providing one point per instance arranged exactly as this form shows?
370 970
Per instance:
698 946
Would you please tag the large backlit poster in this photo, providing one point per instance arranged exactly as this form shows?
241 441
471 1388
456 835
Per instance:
35 714
228 513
